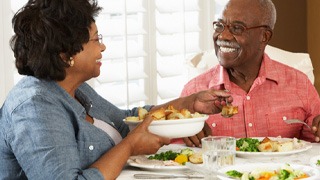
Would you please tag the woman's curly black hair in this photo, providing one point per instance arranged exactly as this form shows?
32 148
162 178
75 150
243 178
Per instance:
46 28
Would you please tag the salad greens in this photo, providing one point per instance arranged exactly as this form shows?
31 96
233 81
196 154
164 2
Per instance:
164 156
248 144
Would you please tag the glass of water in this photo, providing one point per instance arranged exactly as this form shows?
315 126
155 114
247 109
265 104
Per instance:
217 152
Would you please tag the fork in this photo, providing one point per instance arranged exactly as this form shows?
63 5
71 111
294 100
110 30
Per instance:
294 121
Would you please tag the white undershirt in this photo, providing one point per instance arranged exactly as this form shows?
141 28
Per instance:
111 131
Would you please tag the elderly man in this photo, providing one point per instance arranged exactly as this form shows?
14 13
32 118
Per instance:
266 92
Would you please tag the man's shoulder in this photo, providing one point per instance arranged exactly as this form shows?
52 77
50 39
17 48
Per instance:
207 75
284 68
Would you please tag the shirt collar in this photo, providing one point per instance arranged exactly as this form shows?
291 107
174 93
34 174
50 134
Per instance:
267 72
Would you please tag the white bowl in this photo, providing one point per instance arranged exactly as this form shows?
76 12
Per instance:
174 128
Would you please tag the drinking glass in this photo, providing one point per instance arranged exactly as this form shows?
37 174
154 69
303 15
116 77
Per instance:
217 152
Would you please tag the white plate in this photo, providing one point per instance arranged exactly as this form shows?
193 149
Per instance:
314 160
311 171
156 167
307 146
149 167
174 128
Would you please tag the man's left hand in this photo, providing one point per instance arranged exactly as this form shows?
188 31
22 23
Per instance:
316 128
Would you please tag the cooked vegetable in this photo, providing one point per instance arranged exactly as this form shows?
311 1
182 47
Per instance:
234 173
181 159
187 151
283 174
164 156
318 162
248 144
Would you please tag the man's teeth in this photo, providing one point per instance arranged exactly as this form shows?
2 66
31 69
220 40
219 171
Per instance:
98 60
227 49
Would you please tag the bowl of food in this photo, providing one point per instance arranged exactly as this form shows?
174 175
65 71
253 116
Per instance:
170 122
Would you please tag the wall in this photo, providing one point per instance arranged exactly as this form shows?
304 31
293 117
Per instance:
313 21
290 31
298 30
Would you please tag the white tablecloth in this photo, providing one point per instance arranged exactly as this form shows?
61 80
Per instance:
302 158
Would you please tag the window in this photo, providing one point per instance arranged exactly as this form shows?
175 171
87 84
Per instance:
148 43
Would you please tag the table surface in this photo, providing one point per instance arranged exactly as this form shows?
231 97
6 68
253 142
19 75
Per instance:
302 158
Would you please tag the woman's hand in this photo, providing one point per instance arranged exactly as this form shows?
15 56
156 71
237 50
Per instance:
144 142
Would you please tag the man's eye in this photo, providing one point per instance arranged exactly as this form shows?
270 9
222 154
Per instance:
238 28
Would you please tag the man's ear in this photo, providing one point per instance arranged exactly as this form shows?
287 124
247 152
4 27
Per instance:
267 35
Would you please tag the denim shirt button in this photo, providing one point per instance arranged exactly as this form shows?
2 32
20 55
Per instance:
91 147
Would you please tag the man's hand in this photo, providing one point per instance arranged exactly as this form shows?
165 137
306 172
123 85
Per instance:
316 128
210 101
195 141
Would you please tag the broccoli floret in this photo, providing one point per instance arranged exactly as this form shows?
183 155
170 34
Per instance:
234 173
248 144
318 162
187 151
283 174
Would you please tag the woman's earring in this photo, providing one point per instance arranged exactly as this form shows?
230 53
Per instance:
71 61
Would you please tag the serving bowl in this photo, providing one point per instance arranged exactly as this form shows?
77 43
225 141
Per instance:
177 128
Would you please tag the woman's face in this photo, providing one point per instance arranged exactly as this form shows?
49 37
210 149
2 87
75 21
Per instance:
87 63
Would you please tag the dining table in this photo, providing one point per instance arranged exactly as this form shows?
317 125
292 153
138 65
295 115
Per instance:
301 158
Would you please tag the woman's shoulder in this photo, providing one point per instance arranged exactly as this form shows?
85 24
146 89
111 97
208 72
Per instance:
32 90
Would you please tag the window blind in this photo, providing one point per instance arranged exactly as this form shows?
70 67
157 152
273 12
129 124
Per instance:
148 43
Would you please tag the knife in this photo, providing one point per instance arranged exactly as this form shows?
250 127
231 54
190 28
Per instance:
166 176
172 176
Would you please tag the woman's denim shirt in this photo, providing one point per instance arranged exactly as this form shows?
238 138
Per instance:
44 134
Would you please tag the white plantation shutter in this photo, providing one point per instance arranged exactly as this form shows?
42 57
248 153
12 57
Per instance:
177 36
147 45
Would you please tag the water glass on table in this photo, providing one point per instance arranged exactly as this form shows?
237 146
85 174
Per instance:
217 152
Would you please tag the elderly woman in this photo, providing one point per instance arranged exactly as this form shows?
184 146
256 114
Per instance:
48 123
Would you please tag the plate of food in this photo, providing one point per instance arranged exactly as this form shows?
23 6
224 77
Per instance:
270 171
169 122
270 146
166 160
315 162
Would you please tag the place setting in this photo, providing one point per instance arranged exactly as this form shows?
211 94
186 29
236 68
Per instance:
221 157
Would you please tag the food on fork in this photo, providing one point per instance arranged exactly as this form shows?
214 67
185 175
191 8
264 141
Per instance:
229 110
